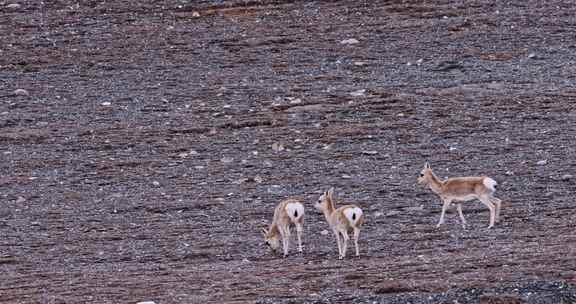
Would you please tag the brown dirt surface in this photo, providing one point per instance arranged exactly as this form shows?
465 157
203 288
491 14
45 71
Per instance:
150 141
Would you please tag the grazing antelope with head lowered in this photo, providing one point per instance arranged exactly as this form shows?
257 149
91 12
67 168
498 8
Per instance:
287 212
461 189
341 220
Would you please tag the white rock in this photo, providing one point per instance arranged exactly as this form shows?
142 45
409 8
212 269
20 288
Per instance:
258 179
156 183
360 63
227 159
13 6
277 147
195 14
20 200
324 232
358 93
542 162
294 100
378 214
567 176
146 302
106 103
346 176
350 41
392 213
21 92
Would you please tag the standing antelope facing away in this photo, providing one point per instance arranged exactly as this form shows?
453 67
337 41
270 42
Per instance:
461 189
288 211
341 220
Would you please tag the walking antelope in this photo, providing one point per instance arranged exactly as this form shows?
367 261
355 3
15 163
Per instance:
461 189
288 211
341 220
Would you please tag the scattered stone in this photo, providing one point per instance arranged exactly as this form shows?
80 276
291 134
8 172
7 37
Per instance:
21 92
350 41
20 200
393 213
509 172
360 63
542 162
13 6
227 159
146 302
294 100
418 208
258 179
156 183
106 103
566 177
371 152
378 214
358 93
195 14
500 299
275 189
277 147
346 176
324 232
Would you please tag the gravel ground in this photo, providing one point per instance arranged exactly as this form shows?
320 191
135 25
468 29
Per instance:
145 143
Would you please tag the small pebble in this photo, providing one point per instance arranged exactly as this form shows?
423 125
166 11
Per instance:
567 177
21 92
13 6
350 41
324 232
542 162
226 159
358 93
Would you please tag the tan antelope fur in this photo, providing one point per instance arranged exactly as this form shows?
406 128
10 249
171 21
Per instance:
462 189
287 212
341 220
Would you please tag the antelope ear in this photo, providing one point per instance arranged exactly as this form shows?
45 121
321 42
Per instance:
264 231
330 192
427 166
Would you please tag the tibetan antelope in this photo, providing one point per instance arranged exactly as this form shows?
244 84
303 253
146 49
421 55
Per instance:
461 189
341 220
287 212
